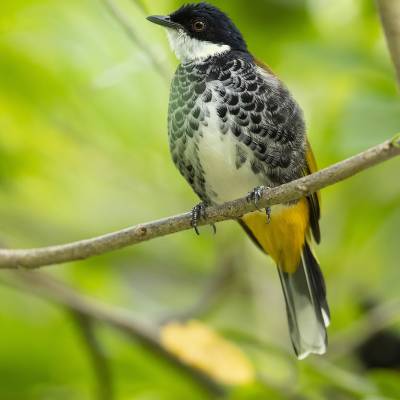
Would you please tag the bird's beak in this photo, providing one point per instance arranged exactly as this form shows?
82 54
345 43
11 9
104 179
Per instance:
164 21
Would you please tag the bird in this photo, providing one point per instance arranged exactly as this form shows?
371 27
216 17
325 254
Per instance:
235 129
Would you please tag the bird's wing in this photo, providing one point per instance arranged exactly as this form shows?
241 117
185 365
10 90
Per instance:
275 133
315 199
310 167
267 122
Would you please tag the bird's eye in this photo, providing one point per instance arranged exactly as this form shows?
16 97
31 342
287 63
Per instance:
199 25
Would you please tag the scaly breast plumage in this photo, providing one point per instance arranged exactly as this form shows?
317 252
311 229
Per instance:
233 126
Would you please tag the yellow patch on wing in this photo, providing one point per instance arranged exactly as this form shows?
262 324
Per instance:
314 199
283 238
310 158
200 346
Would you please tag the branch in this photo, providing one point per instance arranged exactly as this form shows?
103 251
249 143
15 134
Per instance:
121 18
48 288
390 15
97 356
35 258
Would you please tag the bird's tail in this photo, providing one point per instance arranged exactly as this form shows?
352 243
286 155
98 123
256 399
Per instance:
306 305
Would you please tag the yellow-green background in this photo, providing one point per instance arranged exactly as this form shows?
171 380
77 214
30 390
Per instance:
83 151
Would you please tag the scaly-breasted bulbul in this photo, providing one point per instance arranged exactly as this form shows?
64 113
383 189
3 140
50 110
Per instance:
235 128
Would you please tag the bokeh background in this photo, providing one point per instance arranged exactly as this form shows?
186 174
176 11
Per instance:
83 151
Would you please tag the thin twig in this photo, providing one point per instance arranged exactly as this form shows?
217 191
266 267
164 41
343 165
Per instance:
338 377
98 358
357 386
390 15
35 258
121 18
48 288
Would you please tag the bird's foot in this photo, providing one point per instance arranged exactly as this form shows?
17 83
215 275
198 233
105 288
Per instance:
199 212
255 196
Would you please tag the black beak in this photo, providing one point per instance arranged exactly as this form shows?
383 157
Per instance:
164 21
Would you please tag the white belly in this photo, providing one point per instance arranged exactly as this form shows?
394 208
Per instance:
218 154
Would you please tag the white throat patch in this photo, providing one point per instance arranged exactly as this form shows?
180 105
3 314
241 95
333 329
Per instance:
188 49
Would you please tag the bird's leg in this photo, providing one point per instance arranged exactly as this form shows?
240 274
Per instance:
199 212
268 210
255 196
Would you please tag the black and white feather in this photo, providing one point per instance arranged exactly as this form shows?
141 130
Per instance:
232 121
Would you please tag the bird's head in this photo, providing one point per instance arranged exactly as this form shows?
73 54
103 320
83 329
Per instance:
198 31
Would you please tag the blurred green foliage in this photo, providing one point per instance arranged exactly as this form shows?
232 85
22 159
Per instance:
83 151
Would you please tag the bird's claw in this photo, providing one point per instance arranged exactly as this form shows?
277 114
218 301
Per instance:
255 196
199 212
